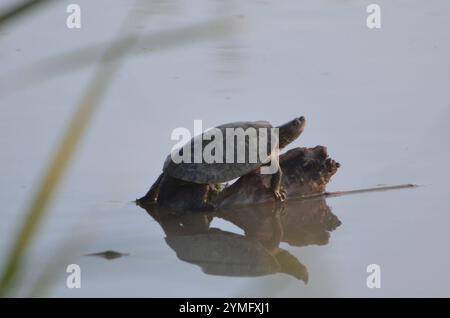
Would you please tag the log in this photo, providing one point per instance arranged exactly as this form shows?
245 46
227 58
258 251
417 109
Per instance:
306 171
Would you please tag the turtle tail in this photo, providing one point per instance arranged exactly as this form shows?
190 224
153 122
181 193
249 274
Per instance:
152 195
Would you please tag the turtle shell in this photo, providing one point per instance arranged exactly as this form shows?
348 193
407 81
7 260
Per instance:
203 161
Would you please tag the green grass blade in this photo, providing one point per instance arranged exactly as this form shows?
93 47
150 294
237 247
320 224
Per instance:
20 10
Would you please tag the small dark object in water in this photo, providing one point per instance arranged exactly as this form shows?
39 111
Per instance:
109 255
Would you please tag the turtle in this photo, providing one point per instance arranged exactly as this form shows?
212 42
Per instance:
188 184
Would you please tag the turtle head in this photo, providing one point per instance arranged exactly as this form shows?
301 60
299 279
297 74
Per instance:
291 130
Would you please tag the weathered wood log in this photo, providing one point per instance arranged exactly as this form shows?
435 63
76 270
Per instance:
306 171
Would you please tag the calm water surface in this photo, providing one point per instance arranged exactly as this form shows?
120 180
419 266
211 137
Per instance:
378 99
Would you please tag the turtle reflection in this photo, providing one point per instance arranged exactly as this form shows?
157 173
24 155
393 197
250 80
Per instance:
257 252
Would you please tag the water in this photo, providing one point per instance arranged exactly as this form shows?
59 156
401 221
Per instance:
378 99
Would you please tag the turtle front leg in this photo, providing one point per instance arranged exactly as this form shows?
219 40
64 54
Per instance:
277 175
275 184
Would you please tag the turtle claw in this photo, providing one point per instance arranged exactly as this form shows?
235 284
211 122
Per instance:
283 194
280 195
